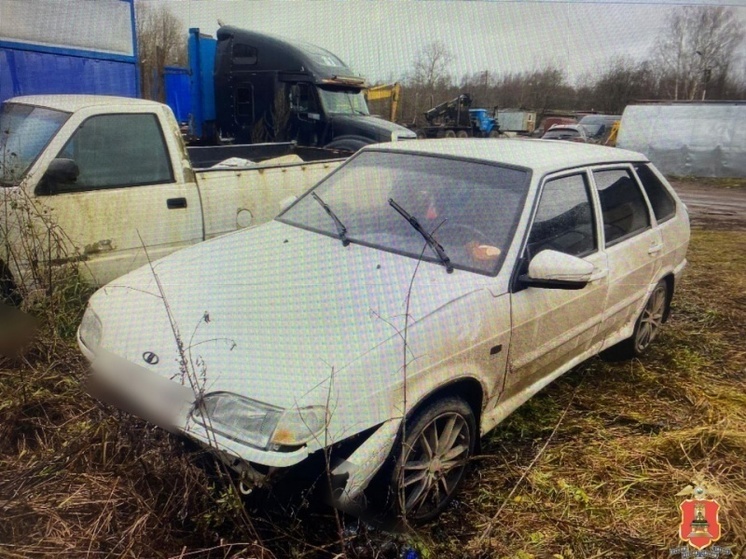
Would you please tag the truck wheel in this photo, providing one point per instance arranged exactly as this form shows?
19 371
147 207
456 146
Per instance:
450 134
495 134
351 145
439 441
462 134
421 135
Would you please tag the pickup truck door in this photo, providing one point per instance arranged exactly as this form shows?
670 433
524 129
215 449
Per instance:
130 195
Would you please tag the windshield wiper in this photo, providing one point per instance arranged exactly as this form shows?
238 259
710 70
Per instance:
431 242
341 229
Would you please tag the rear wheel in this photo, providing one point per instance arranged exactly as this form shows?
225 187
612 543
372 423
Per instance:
462 134
433 457
450 134
647 327
494 134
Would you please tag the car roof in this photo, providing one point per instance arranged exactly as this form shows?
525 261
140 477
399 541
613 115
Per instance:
72 103
568 126
543 156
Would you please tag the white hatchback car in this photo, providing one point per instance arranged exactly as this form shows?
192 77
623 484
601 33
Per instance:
407 304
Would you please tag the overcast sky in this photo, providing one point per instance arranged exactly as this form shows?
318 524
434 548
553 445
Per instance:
381 39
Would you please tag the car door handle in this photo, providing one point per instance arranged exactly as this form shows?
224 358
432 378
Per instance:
599 274
655 249
176 203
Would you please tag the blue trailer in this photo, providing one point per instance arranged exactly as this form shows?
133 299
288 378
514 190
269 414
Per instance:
76 46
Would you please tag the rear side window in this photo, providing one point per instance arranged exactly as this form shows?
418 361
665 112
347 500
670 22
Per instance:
663 204
622 204
564 219
118 150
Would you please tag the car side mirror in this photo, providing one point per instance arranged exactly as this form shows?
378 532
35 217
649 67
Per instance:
551 269
60 171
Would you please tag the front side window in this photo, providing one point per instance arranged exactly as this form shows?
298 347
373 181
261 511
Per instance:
118 150
622 204
25 131
470 208
564 219
663 205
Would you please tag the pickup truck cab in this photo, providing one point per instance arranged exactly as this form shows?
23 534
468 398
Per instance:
108 182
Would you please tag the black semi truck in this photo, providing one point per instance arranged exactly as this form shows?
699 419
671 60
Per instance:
249 87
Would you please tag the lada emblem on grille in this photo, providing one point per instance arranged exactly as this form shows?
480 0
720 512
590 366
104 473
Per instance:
150 358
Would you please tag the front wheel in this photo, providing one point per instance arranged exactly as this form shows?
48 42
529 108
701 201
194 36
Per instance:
647 327
432 459
8 289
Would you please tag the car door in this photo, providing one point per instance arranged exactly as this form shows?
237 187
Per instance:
126 196
631 242
554 328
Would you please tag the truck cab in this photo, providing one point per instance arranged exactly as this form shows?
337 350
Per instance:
267 89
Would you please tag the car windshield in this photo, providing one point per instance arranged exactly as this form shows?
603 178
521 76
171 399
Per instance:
470 208
25 131
593 123
343 101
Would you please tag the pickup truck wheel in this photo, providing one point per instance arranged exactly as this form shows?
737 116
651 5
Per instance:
439 441
8 290
647 327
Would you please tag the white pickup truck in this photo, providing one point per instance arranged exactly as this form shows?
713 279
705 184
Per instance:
104 180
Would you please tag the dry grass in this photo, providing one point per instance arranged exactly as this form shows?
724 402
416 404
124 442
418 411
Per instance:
78 479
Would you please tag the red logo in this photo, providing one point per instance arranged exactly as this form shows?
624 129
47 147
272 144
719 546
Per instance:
699 522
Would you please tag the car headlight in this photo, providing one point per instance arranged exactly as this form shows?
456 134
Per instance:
257 424
297 426
90 330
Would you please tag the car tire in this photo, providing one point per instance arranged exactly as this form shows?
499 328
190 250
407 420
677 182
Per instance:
8 291
429 464
647 326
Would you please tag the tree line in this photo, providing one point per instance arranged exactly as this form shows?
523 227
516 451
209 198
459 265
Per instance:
694 58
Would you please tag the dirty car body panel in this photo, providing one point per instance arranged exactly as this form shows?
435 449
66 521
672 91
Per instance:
411 282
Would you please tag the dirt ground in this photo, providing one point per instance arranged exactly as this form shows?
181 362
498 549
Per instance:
714 203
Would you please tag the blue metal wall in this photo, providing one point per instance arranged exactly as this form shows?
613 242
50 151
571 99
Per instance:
178 92
28 72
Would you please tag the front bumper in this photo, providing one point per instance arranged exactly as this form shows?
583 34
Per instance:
168 404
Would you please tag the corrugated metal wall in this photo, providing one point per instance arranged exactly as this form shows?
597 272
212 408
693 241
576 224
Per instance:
693 139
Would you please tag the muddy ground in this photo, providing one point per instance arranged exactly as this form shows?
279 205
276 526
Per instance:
714 203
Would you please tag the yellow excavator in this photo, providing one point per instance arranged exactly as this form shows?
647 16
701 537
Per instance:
390 91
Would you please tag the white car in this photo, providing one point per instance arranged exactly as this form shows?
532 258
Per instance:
399 310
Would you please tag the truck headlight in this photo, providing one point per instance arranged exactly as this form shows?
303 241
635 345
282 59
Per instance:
257 424
90 330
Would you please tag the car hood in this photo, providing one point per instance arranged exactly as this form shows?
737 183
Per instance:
374 128
273 311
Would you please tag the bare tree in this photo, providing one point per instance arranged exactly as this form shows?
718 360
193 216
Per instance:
161 42
430 69
698 46
623 80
